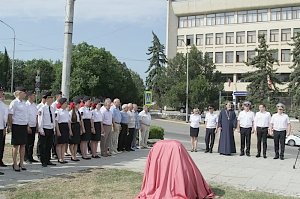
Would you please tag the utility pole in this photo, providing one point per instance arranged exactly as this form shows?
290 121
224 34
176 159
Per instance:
66 70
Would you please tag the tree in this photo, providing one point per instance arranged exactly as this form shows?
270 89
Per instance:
295 75
156 68
263 87
5 69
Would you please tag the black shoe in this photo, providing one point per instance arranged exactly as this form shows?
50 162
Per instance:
87 158
33 160
258 156
44 165
206 151
276 157
96 156
1 174
51 164
16 170
132 149
265 156
75 160
210 151
2 164
281 158
242 154
23 168
248 154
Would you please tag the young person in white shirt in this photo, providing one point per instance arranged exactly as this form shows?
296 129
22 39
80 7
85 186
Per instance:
33 112
211 126
280 126
18 123
96 136
3 124
262 122
195 120
245 126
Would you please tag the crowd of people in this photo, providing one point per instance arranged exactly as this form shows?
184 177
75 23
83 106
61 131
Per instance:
247 123
75 127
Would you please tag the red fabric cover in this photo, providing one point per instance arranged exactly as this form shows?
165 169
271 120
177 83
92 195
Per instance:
171 173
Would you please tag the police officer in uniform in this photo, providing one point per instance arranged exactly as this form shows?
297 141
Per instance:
246 127
46 125
280 127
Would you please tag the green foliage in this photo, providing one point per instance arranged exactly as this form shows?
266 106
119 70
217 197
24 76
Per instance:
5 69
156 132
156 69
263 87
295 75
204 82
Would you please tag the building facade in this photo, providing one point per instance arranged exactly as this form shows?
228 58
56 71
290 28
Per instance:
228 31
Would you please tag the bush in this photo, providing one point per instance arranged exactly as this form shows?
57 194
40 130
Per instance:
156 132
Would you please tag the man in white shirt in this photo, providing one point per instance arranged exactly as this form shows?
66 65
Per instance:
145 121
33 111
245 126
280 126
211 124
40 105
3 124
107 119
262 122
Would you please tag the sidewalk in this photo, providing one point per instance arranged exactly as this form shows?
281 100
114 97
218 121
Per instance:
247 173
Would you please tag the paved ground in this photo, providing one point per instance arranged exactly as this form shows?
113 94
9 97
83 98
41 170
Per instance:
248 173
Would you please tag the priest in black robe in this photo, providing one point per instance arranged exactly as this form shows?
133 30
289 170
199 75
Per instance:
227 124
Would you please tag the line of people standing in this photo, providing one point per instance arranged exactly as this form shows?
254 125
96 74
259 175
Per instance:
278 125
78 126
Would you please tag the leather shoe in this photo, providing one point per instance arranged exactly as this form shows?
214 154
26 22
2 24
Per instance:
206 151
257 156
242 154
44 165
248 154
2 164
50 163
1 174
281 158
265 156
276 157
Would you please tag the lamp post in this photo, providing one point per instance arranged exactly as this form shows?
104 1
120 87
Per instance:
187 44
13 57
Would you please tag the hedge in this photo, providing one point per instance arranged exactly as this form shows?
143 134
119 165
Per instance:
156 132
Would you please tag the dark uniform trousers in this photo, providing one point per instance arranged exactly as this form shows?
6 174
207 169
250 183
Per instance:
210 138
262 133
30 144
279 137
245 136
46 142
2 144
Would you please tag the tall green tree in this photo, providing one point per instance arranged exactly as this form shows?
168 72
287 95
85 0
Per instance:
263 87
156 68
295 75
5 70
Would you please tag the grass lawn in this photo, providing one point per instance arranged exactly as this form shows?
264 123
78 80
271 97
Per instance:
106 184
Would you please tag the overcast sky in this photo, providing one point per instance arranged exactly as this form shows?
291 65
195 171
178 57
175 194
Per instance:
121 26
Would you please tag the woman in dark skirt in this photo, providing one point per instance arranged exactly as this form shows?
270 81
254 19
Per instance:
96 136
86 115
77 127
195 120
63 130
18 123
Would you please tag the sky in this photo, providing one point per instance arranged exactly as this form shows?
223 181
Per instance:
122 27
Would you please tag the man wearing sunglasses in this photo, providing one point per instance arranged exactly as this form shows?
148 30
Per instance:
280 126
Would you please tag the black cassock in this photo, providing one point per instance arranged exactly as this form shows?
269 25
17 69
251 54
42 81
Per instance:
227 121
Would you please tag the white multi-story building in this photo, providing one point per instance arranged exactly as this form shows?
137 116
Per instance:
229 29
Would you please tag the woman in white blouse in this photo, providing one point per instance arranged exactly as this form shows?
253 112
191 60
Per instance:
195 120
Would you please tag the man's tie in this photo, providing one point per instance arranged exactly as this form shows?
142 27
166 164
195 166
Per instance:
50 114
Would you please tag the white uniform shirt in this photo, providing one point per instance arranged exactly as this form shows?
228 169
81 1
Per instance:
131 119
77 115
97 115
246 119
33 112
3 115
145 118
44 120
106 115
211 120
40 105
19 112
195 120
62 116
86 113
262 119
280 121
54 104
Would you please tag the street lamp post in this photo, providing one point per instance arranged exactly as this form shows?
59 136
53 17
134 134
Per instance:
13 57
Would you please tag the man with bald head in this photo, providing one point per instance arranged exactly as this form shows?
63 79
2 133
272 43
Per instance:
115 109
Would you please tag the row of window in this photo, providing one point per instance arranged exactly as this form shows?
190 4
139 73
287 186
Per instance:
241 37
250 16
283 77
240 56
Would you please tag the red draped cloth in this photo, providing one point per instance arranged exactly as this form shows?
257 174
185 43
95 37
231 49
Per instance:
171 173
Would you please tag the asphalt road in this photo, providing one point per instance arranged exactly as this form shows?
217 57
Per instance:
180 131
